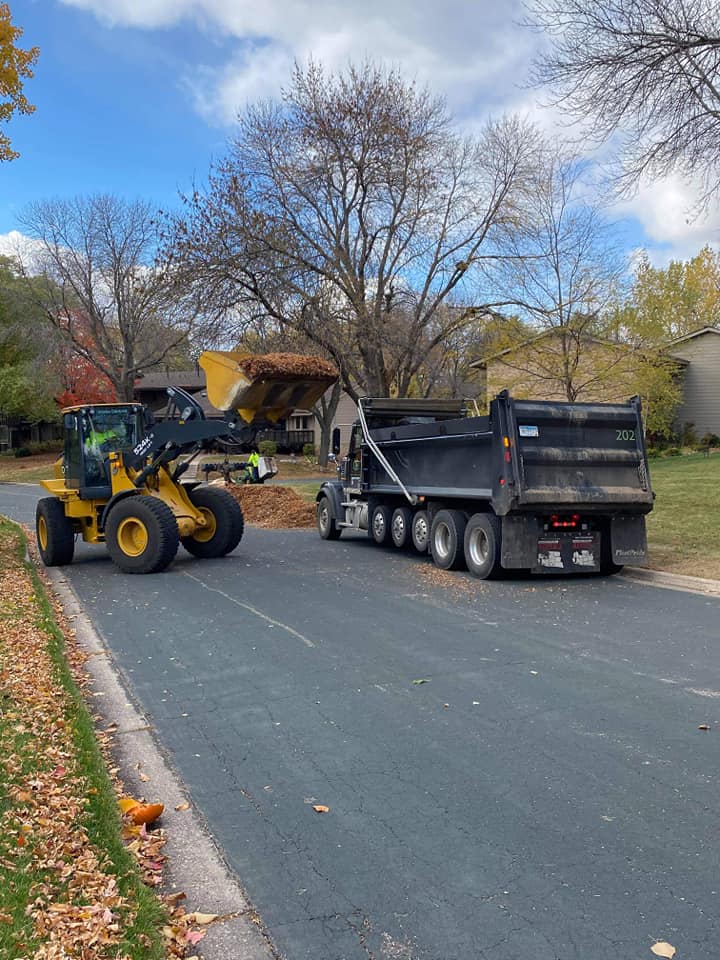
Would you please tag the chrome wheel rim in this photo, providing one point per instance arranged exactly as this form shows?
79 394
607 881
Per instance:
441 540
479 547
398 526
323 516
421 530
379 525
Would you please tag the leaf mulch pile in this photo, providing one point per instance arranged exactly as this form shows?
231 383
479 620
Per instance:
273 365
74 907
273 507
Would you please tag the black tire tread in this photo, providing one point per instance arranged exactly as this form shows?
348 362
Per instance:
333 532
229 519
495 570
60 533
456 522
164 531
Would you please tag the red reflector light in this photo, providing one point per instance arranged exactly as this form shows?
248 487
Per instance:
565 523
502 481
507 456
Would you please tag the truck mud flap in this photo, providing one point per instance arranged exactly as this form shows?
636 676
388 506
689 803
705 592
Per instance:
628 540
567 553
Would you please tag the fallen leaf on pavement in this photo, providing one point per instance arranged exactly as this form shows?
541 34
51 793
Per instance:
183 806
663 949
320 808
417 682
195 936
704 726
201 917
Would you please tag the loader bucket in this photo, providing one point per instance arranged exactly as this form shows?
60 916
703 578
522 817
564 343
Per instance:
266 386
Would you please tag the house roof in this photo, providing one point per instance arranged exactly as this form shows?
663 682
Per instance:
695 333
483 361
187 379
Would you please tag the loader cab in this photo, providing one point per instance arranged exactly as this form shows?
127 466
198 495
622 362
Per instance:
92 433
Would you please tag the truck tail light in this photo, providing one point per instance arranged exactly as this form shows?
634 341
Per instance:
565 523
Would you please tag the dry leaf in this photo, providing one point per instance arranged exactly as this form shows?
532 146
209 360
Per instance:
704 726
194 936
320 808
418 682
663 949
183 806
201 917
144 777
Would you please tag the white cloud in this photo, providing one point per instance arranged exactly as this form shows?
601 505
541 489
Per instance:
19 247
665 210
466 51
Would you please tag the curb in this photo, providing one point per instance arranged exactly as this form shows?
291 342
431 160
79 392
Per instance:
672 581
195 865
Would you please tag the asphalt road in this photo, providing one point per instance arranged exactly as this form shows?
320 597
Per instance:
546 794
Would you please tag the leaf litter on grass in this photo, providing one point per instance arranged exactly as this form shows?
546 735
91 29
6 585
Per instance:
66 897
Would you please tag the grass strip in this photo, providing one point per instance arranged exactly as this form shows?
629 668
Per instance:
684 527
68 886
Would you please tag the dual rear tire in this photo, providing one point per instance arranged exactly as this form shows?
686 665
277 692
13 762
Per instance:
456 542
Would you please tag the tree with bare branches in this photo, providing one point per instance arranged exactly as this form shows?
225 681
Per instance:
563 274
93 271
644 72
352 210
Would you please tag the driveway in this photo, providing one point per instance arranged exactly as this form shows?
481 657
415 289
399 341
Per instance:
546 792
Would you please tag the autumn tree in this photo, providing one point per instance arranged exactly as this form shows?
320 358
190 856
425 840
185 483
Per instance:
664 303
27 380
352 210
15 67
105 291
641 73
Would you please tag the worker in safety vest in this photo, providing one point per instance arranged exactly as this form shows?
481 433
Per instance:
253 464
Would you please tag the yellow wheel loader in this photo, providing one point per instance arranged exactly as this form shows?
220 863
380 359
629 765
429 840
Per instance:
118 480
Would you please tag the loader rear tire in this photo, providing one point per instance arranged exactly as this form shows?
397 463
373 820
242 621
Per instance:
141 534
55 534
226 523
401 527
326 523
447 538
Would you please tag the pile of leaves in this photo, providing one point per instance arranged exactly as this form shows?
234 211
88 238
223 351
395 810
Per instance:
279 365
71 870
273 507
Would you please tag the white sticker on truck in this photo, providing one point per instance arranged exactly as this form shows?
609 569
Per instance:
526 431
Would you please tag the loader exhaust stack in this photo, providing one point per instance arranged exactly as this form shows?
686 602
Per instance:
268 386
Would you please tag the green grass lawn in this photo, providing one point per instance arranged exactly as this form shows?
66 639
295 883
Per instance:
27 469
684 527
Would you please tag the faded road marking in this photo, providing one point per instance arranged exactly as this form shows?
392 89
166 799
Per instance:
703 693
247 606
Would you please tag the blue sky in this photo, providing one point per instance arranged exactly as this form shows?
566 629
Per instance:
136 97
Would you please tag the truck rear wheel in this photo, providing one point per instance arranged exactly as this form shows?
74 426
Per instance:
326 523
55 534
420 531
401 527
225 523
141 535
380 524
446 539
482 545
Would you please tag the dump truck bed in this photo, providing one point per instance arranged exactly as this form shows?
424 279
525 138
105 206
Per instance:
524 456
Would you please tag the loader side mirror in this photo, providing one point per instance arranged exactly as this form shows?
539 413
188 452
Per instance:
70 421
336 441
148 419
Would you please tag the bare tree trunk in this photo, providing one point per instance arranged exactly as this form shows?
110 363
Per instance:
325 412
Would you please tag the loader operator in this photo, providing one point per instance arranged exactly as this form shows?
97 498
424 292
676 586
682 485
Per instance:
96 442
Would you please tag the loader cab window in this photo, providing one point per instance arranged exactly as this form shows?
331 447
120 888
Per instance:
100 432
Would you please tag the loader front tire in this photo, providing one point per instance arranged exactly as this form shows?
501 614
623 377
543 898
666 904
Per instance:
141 534
55 534
226 523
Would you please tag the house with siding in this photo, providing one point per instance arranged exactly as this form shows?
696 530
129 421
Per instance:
701 380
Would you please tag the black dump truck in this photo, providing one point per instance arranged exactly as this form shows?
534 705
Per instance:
536 485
